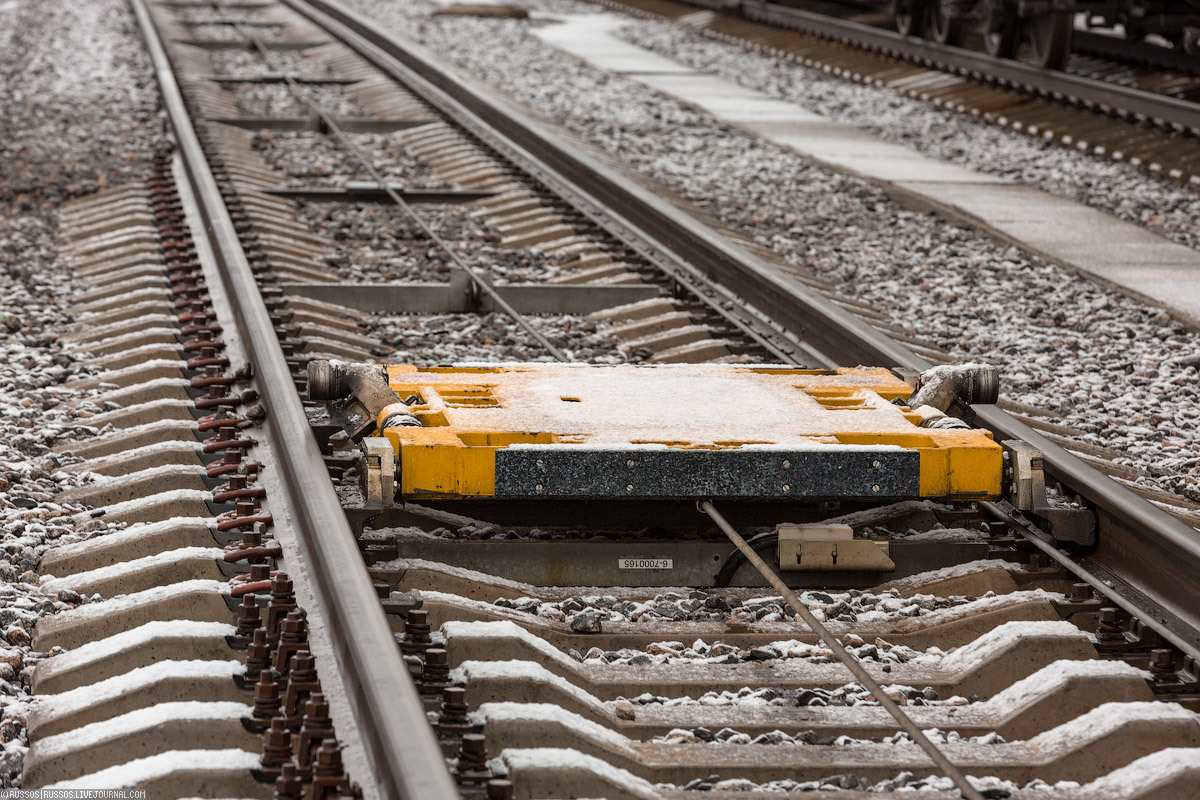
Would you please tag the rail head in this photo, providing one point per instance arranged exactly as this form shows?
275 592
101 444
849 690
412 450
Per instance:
405 758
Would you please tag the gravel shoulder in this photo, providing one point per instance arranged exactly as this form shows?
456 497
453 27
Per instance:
1121 371
1162 206
71 125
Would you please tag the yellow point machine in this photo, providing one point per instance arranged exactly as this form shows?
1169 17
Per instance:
631 448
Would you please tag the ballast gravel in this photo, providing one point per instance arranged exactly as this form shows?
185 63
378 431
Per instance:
71 125
589 612
990 787
778 737
433 339
852 694
219 32
880 651
1122 372
246 63
376 242
309 158
211 16
278 100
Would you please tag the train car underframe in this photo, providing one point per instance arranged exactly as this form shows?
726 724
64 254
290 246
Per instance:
1045 26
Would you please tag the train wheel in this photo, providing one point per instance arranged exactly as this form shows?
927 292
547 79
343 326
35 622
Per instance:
910 17
1049 37
947 28
1001 37
1134 30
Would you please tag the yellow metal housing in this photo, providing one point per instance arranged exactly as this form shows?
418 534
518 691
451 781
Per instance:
751 431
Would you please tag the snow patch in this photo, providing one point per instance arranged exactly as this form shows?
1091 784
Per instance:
140 636
545 712
63 744
111 688
559 758
525 671
144 770
129 567
124 602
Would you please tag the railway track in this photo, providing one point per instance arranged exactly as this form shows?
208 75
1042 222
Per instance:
243 651
1094 106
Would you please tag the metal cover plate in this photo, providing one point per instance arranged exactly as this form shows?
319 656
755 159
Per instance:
830 472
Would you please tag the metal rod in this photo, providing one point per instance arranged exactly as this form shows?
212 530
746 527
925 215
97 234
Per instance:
328 121
939 758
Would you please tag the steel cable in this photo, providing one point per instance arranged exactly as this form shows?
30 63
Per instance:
859 671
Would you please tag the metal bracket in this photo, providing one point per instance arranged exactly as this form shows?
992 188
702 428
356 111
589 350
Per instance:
354 394
1075 525
1028 478
379 470
910 376
1028 493
462 286
830 548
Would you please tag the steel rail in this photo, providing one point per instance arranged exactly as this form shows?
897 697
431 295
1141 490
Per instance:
405 757
1140 545
948 768
1143 546
1095 581
1062 86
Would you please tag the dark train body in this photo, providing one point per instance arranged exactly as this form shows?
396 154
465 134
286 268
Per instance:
1045 26
1039 29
